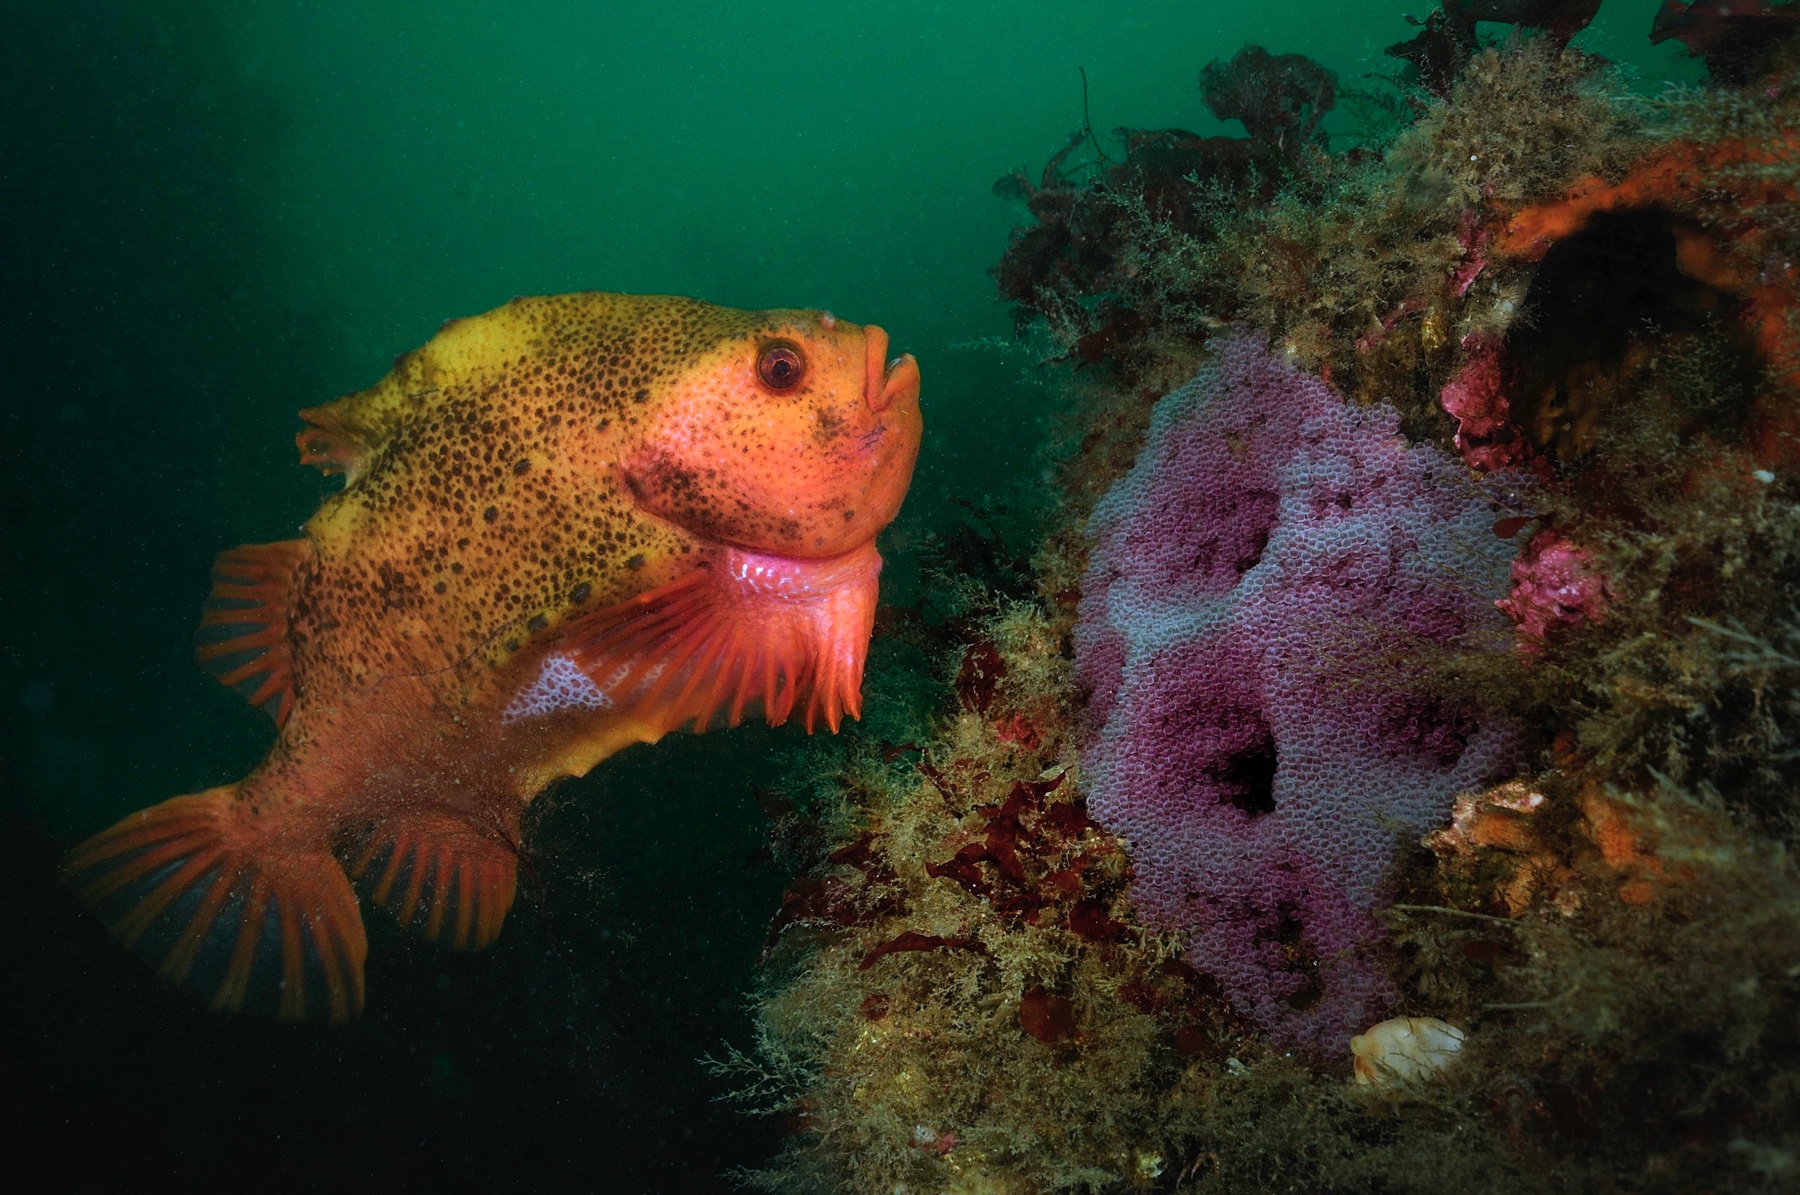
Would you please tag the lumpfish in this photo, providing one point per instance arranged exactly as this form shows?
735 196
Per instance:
569 525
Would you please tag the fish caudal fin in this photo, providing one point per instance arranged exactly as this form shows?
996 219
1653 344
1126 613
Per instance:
225 905
443 873
243 634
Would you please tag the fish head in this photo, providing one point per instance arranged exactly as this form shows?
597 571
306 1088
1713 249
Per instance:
795 437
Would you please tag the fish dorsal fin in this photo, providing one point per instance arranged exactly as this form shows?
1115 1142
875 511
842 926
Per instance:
243 635
742 631
345 436
331 444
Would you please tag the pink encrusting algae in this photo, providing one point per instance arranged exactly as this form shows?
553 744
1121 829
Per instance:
1476 398
1555 585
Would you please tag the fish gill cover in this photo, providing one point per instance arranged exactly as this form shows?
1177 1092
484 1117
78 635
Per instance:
1415 639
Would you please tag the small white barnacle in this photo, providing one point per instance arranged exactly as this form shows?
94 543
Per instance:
1405 1051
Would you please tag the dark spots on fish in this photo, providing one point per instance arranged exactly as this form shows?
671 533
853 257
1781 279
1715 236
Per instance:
536 622
525 428
676 481
849 516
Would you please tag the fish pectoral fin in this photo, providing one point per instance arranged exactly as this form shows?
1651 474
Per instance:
230 905
243 635
447 874
742 631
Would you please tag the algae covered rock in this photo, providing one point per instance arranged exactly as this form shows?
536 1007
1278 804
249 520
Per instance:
1415 638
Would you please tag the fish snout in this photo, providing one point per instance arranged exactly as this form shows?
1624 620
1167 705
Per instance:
888 381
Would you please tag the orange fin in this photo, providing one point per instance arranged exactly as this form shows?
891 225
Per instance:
347 435
745 630
222 905
332 444
443 873
243 634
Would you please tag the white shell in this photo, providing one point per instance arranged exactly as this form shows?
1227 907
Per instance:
1404 1051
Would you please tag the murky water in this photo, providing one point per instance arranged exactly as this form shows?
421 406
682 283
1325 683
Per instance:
212 215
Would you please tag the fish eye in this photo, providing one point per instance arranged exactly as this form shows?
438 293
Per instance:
780 366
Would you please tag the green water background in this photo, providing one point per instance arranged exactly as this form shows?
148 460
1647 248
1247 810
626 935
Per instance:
213 214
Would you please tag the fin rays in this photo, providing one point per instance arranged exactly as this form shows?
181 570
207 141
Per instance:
332 443
246 920
788 636
243 634
442 874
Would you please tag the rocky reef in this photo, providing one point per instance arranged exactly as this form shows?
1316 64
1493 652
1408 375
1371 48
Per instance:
1381 773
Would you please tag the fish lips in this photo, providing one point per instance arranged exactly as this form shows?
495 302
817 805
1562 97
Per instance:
889 382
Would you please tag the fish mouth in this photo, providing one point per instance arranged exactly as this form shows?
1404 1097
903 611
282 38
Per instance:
888 381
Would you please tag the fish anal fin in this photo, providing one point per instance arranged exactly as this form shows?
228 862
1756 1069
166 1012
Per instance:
447 874
230 905
744 631
243 635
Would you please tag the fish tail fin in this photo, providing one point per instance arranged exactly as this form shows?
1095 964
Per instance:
230 903
448 875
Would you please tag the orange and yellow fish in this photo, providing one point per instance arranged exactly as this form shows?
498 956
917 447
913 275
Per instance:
569 525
